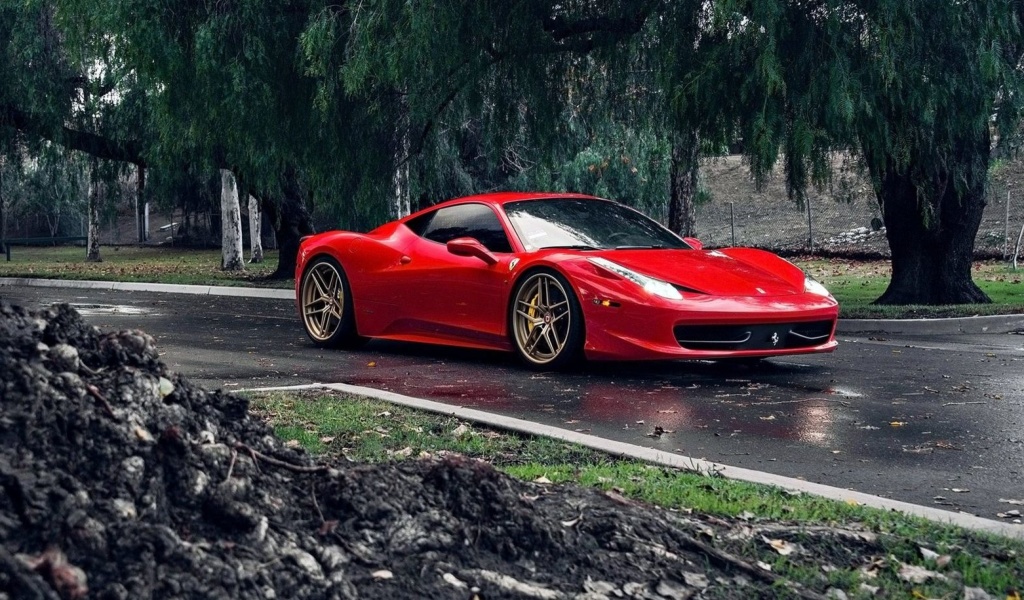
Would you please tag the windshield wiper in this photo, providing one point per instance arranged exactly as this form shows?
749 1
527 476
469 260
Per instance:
644 247
571 247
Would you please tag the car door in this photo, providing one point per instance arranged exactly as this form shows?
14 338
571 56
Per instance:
445 297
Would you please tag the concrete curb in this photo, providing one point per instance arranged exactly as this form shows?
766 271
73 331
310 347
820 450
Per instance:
202 290
964 520
989 324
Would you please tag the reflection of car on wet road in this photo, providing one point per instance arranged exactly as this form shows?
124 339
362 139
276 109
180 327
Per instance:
556 277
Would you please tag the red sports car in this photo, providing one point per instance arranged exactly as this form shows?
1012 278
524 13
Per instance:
554 278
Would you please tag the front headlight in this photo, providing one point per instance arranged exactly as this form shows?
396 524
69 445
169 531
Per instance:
813 287
654 286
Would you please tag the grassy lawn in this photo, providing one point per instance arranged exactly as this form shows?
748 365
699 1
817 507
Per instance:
854 283
857 283
337 426
130 263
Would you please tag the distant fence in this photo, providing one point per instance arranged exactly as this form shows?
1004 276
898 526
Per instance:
845 220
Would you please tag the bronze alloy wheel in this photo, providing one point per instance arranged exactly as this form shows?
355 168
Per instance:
326 304
546 323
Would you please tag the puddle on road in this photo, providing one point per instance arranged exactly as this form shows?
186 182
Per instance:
843 393
92 310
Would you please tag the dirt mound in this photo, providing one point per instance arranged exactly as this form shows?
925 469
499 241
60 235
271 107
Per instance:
122 480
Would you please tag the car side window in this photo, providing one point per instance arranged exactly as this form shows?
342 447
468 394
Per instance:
477 221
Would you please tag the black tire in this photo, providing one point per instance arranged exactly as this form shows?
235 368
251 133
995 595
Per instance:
325 303
545 321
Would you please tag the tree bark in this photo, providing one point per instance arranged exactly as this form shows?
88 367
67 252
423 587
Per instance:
231 224
401 203
92 252
682 217
291 221
931 229
255 231
3 201
140 203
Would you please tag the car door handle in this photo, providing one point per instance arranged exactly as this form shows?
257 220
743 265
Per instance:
405 260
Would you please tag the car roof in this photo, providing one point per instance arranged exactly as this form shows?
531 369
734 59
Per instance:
501 198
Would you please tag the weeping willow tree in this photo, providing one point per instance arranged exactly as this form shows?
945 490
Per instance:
330 104
915 88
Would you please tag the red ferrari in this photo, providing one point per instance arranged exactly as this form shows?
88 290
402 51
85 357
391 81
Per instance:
554 278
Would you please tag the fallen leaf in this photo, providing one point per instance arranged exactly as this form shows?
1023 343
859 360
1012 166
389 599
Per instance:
382 574
460 431
898 423
915 574
371 364
404 452
781 546
928 554
768 418
542 479
1008 514
1009 501
327 439
292 444
572 522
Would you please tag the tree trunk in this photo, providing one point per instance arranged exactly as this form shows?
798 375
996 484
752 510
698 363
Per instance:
3 202
140 203
931 233
401 204
291 222
255 231
682 216
232 258
92 252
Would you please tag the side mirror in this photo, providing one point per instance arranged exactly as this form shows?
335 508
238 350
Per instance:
467 246
694 242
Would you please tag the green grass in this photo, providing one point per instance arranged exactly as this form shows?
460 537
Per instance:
854 283
141 264
333 426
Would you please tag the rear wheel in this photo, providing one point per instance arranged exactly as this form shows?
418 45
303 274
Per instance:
546 321
325 299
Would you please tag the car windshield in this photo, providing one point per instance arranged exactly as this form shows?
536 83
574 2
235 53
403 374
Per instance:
586 224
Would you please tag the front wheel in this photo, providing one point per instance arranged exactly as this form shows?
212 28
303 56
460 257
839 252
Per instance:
546 321
325 299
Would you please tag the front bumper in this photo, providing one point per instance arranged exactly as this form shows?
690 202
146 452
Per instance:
706 327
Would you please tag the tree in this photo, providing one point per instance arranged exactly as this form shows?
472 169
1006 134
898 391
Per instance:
255 231
909 85
232 258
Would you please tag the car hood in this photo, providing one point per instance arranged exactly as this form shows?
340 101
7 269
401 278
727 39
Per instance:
715 272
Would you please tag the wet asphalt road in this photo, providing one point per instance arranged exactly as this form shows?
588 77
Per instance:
933 420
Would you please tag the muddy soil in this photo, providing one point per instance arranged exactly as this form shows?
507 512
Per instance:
120 479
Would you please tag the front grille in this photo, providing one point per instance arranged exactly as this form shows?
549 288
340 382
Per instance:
773 336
